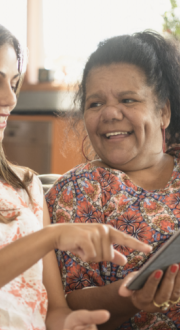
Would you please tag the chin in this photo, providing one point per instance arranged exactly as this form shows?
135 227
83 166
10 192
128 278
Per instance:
1 136
118 158
117 164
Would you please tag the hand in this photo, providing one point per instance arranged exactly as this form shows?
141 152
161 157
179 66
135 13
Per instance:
169 289
82 319
94 242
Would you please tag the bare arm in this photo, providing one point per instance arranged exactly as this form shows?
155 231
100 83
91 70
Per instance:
59 315
106 297
13 257
143 299
92 299
91 242
58 309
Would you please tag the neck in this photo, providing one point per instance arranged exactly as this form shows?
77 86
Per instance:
152 176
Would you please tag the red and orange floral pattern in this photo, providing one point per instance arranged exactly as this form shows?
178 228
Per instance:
90 194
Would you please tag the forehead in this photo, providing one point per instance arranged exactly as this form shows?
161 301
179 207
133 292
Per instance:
122 76
8 60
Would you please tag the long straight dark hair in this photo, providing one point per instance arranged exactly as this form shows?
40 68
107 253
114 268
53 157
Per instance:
7 170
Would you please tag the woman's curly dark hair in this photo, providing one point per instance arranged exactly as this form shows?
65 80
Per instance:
157 56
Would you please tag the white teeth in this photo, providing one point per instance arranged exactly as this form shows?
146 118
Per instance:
116 133
3 119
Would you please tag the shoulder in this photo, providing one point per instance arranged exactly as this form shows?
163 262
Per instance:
76 173
86 170
24 173
78 179
19 171
28 176
66 179
31 179
36 183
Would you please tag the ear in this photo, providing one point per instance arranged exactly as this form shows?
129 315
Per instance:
166 114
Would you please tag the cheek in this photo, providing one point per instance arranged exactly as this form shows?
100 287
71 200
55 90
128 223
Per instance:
91 123
141 120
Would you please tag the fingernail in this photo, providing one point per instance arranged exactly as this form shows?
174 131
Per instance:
158 274
173 268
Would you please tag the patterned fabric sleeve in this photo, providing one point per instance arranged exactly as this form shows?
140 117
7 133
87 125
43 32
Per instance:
76 197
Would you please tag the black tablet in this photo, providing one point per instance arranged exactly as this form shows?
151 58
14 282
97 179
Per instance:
167 255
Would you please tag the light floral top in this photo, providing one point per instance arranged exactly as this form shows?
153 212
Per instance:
23 301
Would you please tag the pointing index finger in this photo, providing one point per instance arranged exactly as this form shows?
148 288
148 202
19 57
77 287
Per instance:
118 237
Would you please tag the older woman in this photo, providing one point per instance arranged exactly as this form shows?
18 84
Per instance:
129 96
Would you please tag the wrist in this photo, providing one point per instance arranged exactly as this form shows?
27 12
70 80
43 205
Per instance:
55 231
56 318
50 235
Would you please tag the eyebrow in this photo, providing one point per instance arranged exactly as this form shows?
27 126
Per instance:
125 93
4 75
100 94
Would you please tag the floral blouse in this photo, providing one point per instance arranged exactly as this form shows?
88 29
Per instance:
23 301
91 194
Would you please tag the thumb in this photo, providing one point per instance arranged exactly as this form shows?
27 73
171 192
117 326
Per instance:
119 258
123 290
84 317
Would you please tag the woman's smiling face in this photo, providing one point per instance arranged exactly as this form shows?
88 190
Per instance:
121 116
9 77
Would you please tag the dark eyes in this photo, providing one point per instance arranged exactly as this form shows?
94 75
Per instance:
98 104
95 105
128 101
14 88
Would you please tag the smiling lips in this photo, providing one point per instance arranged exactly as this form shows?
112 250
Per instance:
117 134
3 120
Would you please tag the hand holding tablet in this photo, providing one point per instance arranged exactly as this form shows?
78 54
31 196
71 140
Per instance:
167 255
155 287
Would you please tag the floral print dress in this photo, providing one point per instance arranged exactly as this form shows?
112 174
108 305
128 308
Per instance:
91 194
23 301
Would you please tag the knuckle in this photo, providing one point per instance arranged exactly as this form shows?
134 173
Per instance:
97 233
125 238
109 228
85 258
176 293
170 276
87 236
163 297
104 230
100 231
146 297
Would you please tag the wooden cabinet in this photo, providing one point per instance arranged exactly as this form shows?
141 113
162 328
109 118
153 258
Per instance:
66 145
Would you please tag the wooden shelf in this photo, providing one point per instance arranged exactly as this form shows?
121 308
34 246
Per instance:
47 86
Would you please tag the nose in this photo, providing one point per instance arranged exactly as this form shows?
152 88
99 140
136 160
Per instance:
8 97
112 112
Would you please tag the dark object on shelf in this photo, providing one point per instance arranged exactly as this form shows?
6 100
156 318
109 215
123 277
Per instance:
46 75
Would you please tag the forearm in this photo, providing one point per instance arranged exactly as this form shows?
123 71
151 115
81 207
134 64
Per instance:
55 319
20 255
107 297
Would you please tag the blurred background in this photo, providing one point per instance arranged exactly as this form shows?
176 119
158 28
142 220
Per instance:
59 36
